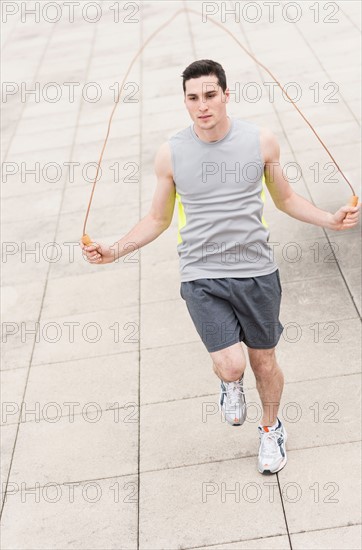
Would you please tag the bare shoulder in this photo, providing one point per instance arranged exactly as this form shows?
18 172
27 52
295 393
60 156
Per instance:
269 144
163 161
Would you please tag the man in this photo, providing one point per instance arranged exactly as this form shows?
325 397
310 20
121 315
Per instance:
216 169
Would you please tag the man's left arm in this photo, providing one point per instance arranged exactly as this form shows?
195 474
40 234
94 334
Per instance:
296 206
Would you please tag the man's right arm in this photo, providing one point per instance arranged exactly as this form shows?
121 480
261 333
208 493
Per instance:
150 226
160 214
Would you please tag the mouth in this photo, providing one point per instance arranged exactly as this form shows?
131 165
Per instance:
204 117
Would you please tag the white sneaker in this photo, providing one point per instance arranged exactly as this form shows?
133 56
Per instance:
272 452
232 402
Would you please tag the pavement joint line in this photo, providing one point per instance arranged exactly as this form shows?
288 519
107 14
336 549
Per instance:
86 71
10 35
177 299
349 19
19 118
65 148
139 349
89 480
271 536
69 360
232 542
167 262
189 28
116 140
316 57
195 397
297 152
189 342
284 512
325 528
186 398
195 464
294 155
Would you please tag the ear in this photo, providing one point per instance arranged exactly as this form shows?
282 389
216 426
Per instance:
227 95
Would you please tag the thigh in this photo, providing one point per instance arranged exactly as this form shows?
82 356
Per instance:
211 312
256 302
232 356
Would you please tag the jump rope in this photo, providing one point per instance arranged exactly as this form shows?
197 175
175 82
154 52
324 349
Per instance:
86 240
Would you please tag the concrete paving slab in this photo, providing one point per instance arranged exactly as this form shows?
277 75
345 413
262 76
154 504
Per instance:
331 133
18 342
348 249
120 288
161 322
29 176
29 206
353 278
281 225
94 515
339 537
174 515
88 334
53 136
306 259
91 445
321 350
192 431
51 388
320 488
160 281
197 422
321 412
118 192
12 390
22 302
176 372
266 543
7 440
100 115
316 300
160 355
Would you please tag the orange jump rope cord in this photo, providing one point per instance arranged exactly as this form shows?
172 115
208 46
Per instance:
86 239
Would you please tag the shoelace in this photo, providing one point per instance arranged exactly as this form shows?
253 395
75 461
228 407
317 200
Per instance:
233 391
269 442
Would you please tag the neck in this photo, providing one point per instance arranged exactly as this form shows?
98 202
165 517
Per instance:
215 133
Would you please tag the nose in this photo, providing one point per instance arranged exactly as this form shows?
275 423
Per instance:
203 106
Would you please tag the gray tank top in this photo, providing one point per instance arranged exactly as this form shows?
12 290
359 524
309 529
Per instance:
220 192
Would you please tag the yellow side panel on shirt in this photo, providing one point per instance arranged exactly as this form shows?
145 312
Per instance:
181 218
262 196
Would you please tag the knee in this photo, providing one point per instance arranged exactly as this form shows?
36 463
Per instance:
229 371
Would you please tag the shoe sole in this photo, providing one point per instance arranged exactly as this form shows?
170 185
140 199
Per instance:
269 473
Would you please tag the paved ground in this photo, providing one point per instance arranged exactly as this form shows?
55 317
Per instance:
119 443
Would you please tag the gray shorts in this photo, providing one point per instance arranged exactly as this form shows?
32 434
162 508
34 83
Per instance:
229 310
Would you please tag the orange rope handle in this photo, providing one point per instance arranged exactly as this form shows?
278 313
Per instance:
85 238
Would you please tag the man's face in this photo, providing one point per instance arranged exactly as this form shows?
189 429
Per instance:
205 101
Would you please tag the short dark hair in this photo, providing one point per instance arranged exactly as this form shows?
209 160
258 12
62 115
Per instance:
204 67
